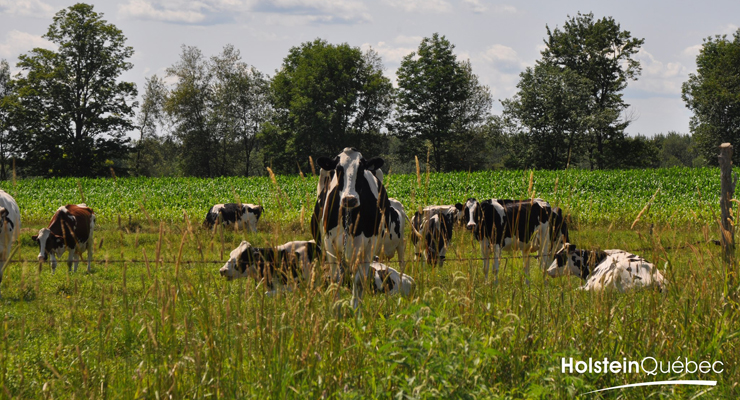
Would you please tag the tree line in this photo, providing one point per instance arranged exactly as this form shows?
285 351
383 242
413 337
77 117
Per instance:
67 113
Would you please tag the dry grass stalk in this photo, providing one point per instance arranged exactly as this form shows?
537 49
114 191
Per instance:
313 167
644 209
418 171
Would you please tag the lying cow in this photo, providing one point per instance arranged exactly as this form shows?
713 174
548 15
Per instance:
243 215
509 225
71 228
389 281
431 232
608 269
10 228
292 260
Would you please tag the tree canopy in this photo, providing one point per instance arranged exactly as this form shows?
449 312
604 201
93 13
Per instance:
439 103
713 94
326 97
72 111
586 64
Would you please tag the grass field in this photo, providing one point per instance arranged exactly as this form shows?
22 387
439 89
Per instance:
175 329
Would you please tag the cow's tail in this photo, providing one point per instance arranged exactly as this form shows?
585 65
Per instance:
414 232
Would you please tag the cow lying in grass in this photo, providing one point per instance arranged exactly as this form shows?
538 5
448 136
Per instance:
293 261
608 269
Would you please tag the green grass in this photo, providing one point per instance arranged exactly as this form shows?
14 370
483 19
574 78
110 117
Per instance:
177 330
591 197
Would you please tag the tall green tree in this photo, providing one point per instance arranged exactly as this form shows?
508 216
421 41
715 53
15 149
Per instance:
602 54
439 103
549 108
150 116
71 107
713 94
189 107
326 97
241 105
5 115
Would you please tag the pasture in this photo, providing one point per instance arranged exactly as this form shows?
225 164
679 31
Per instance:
164 324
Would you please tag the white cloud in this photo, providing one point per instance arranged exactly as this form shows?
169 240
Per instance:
691 51
503 58
476 6
729 29
26 8
17 42
163 11
659 78
434 6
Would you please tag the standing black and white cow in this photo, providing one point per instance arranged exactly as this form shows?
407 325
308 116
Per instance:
273 265
431 232
609 269
243 215
509 225
10 228
350 211
71 228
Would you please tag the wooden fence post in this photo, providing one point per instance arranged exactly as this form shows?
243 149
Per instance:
726 224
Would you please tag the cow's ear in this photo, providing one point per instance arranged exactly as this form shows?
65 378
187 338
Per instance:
35 238
459 206
571 248
374 163
327 163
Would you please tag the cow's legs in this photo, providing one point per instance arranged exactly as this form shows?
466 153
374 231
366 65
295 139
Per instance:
89 254
496 261
485 253
73 258
53 262
358 285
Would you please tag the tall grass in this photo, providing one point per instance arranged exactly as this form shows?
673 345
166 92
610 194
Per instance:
169 327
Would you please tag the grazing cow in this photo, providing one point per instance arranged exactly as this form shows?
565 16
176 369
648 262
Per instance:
10 228
71 228
608 269
292 260
232 213
509 225
431 232
389 281
453 209
350 211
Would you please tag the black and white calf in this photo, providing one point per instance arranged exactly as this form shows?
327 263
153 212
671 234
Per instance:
608 269
389 281
351 209
431 232
243 215
273 265
10 227
509 225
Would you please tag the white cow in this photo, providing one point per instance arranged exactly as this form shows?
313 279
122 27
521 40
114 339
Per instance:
10 228
609 269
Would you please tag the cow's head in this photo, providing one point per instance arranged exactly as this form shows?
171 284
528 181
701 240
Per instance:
49 243
471 214
570 261
350 169
241 263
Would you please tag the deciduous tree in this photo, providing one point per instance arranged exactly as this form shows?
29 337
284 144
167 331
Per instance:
71 107
713 94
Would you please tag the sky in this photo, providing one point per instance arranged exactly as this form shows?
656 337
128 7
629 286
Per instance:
500 39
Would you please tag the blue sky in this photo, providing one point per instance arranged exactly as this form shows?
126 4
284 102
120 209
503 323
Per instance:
500 39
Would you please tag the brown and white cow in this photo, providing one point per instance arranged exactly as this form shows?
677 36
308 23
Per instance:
71 228
10 228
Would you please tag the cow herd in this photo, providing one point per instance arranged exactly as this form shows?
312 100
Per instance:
355 225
